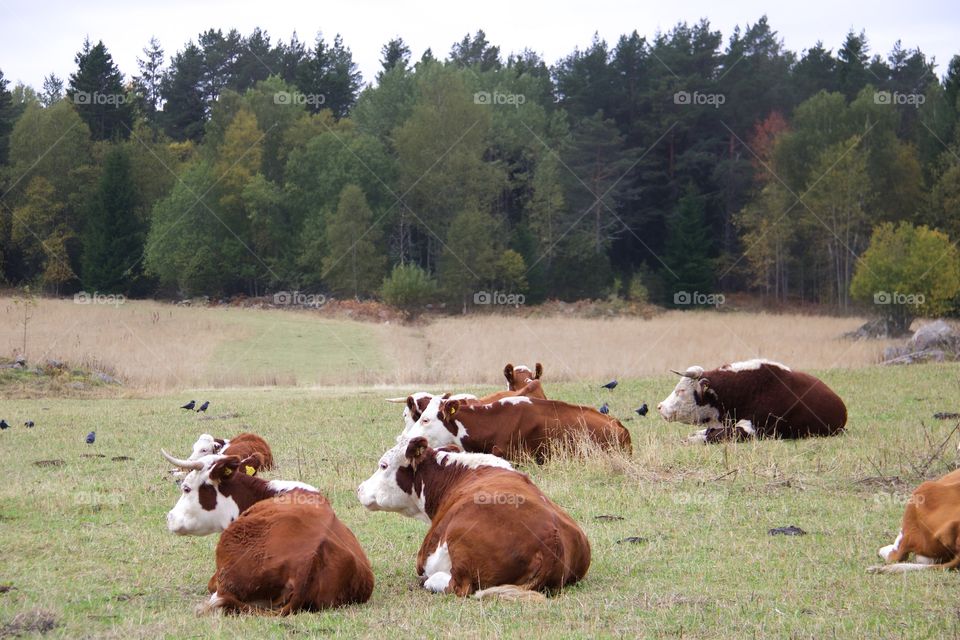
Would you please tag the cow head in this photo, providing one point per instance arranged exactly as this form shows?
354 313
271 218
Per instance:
689 402
438 422
417 404
518 376
205 505
205 445
391 487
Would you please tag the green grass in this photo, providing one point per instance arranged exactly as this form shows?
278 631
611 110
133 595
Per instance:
87 541
297 348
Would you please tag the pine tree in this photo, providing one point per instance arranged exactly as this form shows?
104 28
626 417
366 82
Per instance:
184 110
355 263
395 54
52 92
7 118
688 247
113 236
96 88
148 84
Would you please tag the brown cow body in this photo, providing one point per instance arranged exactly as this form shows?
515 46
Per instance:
248 446
516 427
930 529
492 531
287 554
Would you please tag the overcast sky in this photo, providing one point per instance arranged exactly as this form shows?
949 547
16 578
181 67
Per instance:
38 37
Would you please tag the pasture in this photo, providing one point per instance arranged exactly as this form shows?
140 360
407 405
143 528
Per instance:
679 533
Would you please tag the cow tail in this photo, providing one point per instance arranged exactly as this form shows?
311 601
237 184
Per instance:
907 567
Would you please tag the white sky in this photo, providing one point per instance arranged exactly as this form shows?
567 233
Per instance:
38 37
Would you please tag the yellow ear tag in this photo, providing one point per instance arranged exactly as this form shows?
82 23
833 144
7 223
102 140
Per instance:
250 470
453 410
227 471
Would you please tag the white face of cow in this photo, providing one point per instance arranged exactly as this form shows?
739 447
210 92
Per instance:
408 420
431 427
383 492
681 405
204 446
201 509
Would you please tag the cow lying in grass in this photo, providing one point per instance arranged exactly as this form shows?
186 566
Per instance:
492 531
755 398
521 381
930 529
282 549
516 427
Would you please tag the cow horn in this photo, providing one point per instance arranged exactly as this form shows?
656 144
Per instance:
404 399
686 375
183 464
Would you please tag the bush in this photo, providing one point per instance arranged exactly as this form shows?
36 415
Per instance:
408 287
907 272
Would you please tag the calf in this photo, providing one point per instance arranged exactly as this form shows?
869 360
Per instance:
492 531
244 445
755 398
930 529
287 554
516 427
282 547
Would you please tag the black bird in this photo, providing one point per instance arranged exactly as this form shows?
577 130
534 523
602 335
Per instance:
204 406
190 405
604 409
642 411
91 437
610 385
28 424
4 425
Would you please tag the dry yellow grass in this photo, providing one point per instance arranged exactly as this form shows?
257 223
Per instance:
156 346
474 349
146 344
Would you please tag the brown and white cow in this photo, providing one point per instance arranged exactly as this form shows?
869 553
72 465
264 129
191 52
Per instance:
930 529
517 426
245 446
282 548
217 489
754 398
492 531
416 404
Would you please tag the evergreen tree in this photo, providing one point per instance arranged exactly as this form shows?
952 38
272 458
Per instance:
184 110
52 90
96 90
476 52
395 54
355 263
330 72
688 249
113 236
148 85
8 115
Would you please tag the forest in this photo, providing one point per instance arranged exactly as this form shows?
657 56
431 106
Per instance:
682 161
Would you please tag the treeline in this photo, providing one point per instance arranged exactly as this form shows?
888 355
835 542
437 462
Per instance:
678 163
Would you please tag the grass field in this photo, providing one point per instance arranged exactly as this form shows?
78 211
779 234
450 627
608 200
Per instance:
85 542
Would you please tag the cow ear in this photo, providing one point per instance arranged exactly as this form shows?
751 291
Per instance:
224 468
450 448
449 409
412 406
508 373
246 465
416 449
539 371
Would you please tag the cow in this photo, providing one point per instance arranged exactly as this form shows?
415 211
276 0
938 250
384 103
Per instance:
755 398
492 531
217 489
282 549
516 427
416 404
244 445
930 529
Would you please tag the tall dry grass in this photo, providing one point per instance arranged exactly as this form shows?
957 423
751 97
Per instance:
148 345
474 349
156 347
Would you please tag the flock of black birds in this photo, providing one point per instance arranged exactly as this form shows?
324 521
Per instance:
605 408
